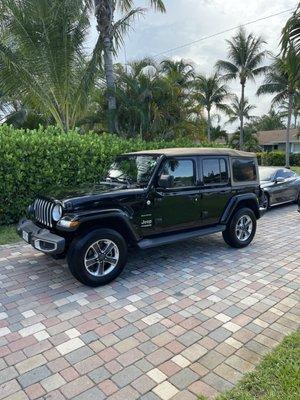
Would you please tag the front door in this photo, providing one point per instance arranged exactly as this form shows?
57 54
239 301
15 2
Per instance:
216 188
177 207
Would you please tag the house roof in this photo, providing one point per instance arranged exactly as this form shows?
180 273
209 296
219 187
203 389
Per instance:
190 151
277 136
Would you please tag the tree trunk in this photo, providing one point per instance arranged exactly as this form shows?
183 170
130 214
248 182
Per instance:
242 117
104 12
287 143
208 125
110 83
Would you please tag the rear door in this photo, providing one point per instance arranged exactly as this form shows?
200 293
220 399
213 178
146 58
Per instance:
216 188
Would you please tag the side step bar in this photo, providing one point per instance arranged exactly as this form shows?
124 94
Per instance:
177 237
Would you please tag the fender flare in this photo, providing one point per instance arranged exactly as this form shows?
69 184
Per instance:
235 201
103 215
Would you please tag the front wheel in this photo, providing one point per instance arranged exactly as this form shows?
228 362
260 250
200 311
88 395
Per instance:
98 257
241 229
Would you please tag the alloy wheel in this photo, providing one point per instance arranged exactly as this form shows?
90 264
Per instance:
101 257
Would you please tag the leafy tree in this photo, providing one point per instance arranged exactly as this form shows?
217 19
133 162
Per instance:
42 60
283 80
218 133
250 140
210 92
111 37
291 33
284 109
239 110
245 56
268 122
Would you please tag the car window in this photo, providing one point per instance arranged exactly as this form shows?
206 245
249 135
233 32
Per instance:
284 173
183 172
214 171
243 170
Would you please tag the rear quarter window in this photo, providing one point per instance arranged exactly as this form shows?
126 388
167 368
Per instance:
244 170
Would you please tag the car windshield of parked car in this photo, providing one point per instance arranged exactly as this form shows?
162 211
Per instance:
132 169
266 174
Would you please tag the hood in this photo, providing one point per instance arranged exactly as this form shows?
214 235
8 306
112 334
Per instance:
86 195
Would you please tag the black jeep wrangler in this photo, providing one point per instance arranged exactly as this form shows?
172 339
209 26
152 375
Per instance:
147 199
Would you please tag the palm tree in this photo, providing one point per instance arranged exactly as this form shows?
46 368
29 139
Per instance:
210 92
238 110
111 37
291 33
284 109
178 72
283 80
245 56
42 59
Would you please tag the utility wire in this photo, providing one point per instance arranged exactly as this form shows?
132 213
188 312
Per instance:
220 33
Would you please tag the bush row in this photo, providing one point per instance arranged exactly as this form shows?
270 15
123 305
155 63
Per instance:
33 162
277 158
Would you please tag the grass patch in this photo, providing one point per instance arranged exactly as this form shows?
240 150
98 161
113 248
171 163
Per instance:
296 169
8 234
275 378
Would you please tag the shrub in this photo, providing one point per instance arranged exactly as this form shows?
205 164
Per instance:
37 161
277 158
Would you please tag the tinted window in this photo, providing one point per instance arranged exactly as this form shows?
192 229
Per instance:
284 173
181 170
243 170
214 171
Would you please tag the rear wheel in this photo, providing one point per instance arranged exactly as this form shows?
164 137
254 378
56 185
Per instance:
241 228
266 201
98 257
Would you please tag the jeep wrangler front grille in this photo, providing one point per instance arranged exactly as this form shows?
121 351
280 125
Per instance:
43 211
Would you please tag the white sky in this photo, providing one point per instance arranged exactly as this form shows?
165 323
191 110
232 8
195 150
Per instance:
189 20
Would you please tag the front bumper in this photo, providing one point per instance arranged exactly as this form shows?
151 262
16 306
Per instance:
40 238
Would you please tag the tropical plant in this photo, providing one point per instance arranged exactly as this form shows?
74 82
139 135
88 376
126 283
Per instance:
284 109
268 122
291 33
238 110
250 140
210 92
111 37
42 58
218 133
283 80
245 56
154 101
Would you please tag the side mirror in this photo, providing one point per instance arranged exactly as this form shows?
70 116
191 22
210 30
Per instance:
280 179
166 181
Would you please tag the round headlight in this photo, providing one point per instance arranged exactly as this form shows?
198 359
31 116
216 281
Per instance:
57 212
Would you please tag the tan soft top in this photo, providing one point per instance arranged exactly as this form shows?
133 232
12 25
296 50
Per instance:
193 151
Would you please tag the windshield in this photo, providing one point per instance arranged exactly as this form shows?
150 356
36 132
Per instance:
132 169
266 174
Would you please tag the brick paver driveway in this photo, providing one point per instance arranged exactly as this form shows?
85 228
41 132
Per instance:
182 320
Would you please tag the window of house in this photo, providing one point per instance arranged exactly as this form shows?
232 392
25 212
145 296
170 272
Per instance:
183 172
214 171
243 170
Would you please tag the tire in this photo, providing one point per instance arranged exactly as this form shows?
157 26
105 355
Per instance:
233 236
266 201
82 255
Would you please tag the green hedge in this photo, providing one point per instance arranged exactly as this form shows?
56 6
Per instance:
33 162
277 158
